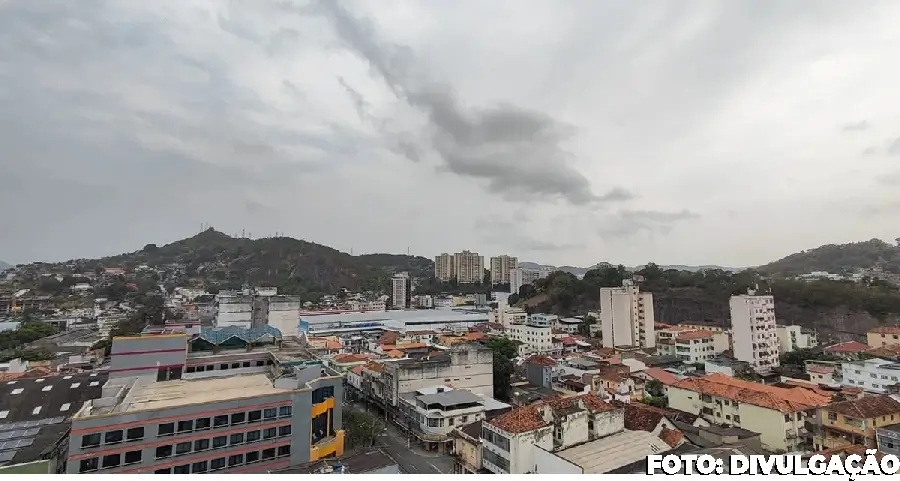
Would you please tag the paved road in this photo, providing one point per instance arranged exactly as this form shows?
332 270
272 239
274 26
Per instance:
413 459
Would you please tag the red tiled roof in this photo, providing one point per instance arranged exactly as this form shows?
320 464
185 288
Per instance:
784 400
661 375
529 418
890 351
820 369
348 358
394 353
358 369
867 407
542 360
671 437
848 347
568 341
692 335
886 330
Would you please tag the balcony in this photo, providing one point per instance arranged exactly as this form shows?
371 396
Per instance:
328 446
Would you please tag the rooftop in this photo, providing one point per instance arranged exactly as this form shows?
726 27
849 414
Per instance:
847 347
867 407
26 441
28 399
529 418
692 335
886 330
781 399
611 452
451 397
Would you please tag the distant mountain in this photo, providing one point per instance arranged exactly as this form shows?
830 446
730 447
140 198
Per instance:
679 267
839 258
4 266
579 271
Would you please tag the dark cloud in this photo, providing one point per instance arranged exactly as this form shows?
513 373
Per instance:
856 126
519 152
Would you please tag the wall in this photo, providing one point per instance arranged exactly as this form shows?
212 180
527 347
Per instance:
548 463
139 356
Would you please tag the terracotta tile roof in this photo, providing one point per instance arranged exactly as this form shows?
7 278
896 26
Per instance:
411 345
890 351
348 358
867 407
568 341
690 336
785 400
358 370
474 336
374 367
529 418
847 347
846 450
820 369
659 326
671 437
679 329
885 330
542 360
395 354
661 375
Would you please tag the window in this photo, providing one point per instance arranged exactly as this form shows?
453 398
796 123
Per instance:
163 451
284 451
163 471
183 469
284 431
235 460
223 366
268 453
220 421
254 416
166 429
245 364
135 434
252 457
322 393
238 418
269 433
253 436
284 411
112 460
189 369
235 365
201 445
183 448
216 464
132 457
185 426
201 424
88 465
113 437
270 413
199 467
220 441
90 440
237 438
260 363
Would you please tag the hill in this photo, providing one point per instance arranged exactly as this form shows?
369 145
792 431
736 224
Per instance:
295 266
839 259
4 266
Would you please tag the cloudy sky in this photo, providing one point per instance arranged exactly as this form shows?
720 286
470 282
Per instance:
561 131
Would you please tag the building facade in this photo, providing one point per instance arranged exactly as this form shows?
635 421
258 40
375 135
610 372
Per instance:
792 338
753 331
444 267
872 375
501 266
883 336
468 267
400 290
626 317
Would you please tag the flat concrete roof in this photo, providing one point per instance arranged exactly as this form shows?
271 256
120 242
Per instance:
608 453
165 394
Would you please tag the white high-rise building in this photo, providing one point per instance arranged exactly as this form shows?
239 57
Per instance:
468 267
400 290
754 334
626 316
444 267
516 280
501 267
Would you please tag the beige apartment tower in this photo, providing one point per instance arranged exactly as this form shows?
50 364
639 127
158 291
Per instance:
501 266
444 267
469 267
626 317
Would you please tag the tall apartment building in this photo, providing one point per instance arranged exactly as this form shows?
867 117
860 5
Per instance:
444 267
626 316
501 267
754 333
400 290
468 267
225 400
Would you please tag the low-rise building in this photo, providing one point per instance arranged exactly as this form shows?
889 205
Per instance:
697 346
792 338
535 336
854 421
778 414
467 448
873 375
431 414
883 336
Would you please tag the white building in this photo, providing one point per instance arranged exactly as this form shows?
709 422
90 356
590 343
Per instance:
508 316
569 324
791 338
467 366
873 375
400 290
626 317
753 330
438 410
519 277
501 267
536 335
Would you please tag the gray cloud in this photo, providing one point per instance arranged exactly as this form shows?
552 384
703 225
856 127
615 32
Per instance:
870 150
893 147
627 223
519 152
856 126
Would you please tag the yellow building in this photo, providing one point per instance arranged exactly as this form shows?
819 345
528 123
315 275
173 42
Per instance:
777 414
883 336
854 422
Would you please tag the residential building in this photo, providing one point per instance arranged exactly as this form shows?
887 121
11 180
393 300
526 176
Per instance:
501 267
791 338
508 316
888 439
626 317
694 346
603 455
468 267
535 336
511 441
519 277
778 414
431 414
753 330
400 290
232 400
820 374
883 336
467 448
854 421
873 375
444 267
849 350
569 324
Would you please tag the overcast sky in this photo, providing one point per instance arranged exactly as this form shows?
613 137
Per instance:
564 132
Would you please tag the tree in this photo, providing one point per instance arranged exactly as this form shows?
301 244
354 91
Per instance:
585 327
505 351
654 388
362 428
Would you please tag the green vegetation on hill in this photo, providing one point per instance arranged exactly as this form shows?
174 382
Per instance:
564 294
838 259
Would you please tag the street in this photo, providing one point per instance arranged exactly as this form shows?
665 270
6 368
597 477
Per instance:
414 459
